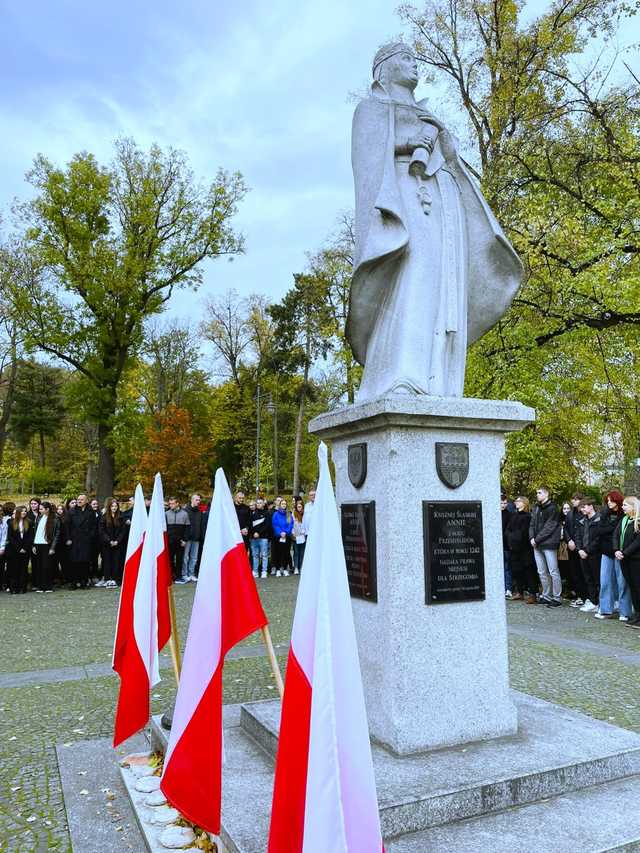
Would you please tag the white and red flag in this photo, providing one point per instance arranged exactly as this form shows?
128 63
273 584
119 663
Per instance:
324 797
129 660
144 623
226 609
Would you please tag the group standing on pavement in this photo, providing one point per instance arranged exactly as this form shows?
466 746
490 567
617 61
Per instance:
585 553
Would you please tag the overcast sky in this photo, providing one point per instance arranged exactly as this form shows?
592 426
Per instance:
261 86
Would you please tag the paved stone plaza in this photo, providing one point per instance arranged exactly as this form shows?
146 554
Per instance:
55 686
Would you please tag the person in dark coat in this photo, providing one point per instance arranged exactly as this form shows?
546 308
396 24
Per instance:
194 540
626 544
19 544
523 571
82 534
613 586
95 571
506 513
112 536
244 518
571 533
590 553
47 533
261 534
61 562
544 535
177 533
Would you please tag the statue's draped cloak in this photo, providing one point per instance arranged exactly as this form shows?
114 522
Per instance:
494 270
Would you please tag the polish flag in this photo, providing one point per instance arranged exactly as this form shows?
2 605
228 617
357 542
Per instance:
226 609
132 710
164 573
324 797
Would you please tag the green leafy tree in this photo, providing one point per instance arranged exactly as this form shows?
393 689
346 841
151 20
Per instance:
113 244
557 152
38 405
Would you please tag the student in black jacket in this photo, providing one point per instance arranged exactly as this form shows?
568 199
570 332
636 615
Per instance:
261 533
112 536
626 544
590 553
244 518
47 533
613 586
19 545
523 571
544 535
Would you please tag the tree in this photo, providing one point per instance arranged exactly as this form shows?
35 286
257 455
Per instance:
38 406
227 327
303 324
113 244
558 156
15 266
172 448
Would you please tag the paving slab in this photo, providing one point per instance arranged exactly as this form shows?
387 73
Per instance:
100 816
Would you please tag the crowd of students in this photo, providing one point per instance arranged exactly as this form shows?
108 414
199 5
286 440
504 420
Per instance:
584 553
79 545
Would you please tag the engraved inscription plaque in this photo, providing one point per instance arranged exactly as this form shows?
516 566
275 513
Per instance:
453 551
359 541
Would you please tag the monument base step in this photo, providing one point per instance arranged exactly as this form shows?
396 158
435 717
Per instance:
593 820
558 761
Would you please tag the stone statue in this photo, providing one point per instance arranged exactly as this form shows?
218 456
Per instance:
433 270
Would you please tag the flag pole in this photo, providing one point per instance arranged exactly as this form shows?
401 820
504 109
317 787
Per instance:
275 669
174 640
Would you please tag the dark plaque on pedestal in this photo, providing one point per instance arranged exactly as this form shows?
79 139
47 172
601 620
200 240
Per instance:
359 541
453 551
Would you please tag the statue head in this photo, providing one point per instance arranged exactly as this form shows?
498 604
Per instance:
396 63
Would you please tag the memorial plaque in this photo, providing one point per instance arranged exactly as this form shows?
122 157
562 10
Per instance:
359 541
453 551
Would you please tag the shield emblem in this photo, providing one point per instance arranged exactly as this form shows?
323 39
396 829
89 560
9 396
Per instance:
357 464
452 463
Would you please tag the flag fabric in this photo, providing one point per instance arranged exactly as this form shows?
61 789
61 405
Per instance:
164 573
132 709
226 608
324 797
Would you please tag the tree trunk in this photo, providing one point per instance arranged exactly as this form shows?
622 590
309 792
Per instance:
42 453
300 420
9 395
106 464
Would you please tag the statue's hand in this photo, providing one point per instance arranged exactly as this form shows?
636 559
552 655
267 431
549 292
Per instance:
421 141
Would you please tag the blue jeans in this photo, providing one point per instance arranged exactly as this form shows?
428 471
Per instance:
613 587
260 551
190 559
506 556
298 554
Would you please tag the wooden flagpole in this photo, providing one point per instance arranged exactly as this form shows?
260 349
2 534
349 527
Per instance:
275 669
174 640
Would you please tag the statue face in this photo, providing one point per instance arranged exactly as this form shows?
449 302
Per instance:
402 69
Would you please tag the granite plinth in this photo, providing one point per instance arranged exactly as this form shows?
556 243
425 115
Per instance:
433 675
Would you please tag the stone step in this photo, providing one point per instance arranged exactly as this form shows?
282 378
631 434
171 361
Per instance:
593 820
555 751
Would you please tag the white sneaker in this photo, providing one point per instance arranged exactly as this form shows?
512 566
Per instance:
278 573
286 573
263 575
577 602
273 573
296 571
101 584
111 584
623 618
588 607
508 594
255 574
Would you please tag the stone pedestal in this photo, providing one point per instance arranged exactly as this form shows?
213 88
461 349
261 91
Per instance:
434 675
